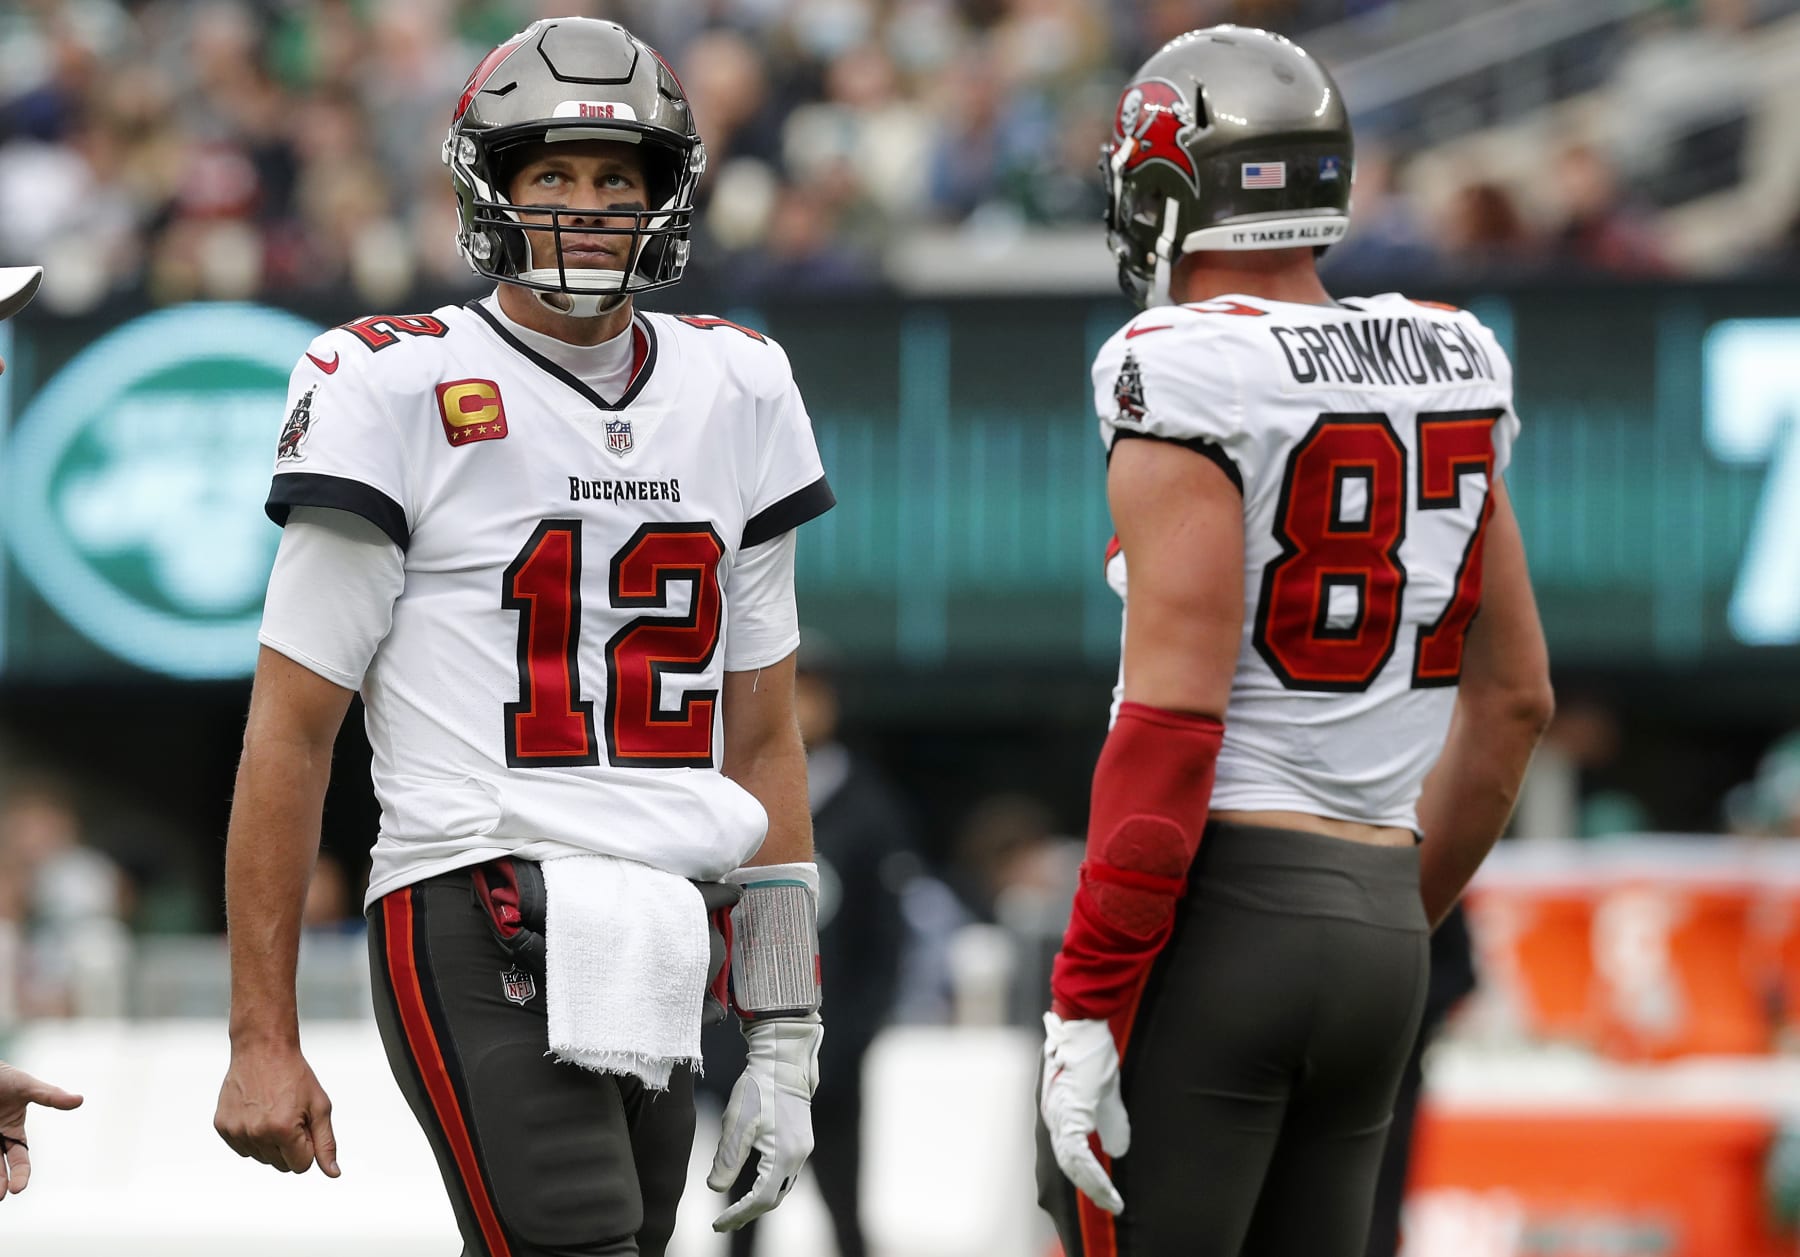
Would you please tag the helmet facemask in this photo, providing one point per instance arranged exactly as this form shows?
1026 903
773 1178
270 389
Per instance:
497 241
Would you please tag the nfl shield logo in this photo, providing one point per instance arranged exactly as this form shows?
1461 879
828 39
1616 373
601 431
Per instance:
518 986
618 435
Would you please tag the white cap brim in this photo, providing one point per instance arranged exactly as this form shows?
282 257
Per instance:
18 285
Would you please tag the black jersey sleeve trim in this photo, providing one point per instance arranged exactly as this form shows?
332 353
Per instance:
306 488
788 514
1200 445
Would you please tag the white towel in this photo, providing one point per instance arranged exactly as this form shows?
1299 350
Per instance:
628 954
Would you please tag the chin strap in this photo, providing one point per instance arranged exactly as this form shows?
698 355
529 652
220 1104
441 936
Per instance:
1165 258
580 305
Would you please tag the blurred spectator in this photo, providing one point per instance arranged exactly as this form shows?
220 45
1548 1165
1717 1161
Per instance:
863 843
1486 236
867 128
1601 230
1567 793
968 157
727 85
1006 849
933 914
804 251
66 902
1680 99
240 148
1013 868
1768 805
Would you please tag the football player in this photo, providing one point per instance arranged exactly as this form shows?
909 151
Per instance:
550 540
1315 738
18 1089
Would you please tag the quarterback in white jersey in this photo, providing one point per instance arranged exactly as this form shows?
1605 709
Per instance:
1332 677
580 574
549 539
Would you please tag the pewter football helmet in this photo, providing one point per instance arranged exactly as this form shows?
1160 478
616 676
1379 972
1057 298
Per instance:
1227 138
574 79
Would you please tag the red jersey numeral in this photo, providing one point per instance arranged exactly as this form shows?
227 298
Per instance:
706 322
653 649
551 726
1330 609
378 331
1454 444
1329 612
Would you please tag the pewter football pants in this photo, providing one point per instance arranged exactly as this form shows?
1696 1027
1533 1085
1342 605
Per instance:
540 1159
1261 1066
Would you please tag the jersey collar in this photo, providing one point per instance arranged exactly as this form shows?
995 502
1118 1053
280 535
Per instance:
643 358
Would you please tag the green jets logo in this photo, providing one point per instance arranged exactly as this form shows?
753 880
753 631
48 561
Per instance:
132 490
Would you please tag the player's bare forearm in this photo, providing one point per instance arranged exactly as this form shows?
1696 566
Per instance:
273 840
269 853
1471 792
764 754
1503 704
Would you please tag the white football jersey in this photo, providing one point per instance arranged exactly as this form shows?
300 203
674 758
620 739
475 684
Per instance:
1364 437
551 681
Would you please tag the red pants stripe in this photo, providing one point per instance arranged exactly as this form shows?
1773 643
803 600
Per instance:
422 1039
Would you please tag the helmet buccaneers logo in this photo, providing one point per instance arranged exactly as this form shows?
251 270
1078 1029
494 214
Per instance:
1152 124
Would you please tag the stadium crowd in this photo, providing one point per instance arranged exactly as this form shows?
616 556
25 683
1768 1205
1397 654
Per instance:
235 148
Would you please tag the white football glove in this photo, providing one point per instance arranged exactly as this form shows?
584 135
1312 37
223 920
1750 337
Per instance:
770 1111
1080 1094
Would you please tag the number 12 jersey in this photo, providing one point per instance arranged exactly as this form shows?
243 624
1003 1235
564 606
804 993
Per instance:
551 682
1365 438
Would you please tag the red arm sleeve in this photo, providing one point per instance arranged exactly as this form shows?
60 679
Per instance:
1152 786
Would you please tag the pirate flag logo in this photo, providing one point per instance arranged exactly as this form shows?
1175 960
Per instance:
293 432
1128 390
1154 124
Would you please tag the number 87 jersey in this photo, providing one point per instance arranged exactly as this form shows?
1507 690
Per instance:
578 577
1365 438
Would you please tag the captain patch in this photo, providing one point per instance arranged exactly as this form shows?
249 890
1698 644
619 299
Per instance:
471 411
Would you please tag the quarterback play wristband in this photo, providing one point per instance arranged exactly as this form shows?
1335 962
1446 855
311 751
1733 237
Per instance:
775 941
1152 786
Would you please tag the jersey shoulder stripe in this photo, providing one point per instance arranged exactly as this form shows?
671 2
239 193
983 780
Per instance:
309 488
1206 447
806 503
